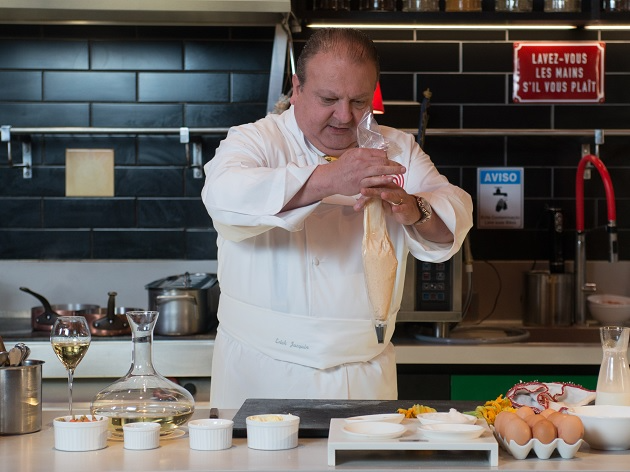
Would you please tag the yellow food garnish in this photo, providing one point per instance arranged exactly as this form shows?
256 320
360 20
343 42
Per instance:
492 408
416 410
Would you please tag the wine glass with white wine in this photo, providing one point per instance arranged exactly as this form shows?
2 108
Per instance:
70 338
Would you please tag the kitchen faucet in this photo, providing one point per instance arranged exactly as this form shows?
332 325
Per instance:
581 287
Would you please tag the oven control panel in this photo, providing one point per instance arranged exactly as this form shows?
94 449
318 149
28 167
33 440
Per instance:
432 291
434 282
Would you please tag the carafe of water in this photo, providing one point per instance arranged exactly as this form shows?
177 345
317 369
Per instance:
613 383
143 394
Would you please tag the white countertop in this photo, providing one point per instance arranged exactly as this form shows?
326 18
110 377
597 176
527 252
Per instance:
35 452
193 357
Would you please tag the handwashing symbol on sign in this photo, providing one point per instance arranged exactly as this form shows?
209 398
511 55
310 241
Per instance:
500 197
502 202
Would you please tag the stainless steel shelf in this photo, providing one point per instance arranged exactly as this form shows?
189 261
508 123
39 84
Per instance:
92 130
522 132
430 131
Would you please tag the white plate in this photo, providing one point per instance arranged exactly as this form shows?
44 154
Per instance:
374 430
389 418
452 417
451 432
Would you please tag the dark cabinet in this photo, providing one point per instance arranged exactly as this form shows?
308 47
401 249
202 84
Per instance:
592 12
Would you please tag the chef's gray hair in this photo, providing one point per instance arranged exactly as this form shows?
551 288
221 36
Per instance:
354 44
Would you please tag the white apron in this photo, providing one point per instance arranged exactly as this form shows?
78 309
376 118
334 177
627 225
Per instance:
240 372
297 357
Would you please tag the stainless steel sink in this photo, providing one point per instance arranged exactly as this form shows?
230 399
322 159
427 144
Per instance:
485 334
563 334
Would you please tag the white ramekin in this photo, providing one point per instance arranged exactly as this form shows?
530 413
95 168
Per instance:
141 435
80 435
211 434
272 435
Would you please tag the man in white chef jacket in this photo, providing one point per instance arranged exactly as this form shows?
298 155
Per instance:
286 196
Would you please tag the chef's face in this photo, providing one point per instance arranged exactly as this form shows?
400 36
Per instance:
333 99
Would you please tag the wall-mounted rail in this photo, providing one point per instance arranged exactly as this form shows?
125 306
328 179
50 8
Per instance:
194 158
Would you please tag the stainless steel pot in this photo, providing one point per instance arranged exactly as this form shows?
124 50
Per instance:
21 398
187 303
548 299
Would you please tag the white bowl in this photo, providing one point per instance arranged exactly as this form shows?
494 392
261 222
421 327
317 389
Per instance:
450 431
374 430
387 418
272 432
80 435
606 427
452 417
210 434
609 309
141 435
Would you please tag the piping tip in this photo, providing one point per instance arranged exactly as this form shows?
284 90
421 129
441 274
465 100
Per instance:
380 332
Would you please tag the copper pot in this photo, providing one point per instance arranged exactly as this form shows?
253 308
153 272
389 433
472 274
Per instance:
110 321
43 317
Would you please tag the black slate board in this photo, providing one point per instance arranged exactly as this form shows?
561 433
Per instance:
315 415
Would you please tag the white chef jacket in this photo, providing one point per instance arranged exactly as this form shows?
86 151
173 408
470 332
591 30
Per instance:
277 268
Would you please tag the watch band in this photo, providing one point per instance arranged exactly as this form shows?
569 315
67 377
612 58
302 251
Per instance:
425 210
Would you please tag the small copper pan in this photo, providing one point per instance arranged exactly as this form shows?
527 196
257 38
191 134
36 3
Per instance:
110 321
43 317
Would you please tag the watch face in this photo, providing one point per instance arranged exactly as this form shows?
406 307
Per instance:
425 209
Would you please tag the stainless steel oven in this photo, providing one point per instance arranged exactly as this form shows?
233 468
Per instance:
432 291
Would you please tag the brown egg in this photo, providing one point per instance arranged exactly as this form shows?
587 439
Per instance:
531 420
571 429
556 418
503 418
518 431
548 411
525 411
544 431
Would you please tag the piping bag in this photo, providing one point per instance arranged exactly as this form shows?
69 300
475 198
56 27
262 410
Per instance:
379 258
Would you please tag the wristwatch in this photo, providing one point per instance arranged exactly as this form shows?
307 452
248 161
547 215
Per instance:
425 210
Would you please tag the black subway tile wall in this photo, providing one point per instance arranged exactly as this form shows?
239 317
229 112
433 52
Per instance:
216 77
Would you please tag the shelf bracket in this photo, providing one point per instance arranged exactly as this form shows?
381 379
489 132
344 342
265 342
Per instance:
27 156
195 164
197 160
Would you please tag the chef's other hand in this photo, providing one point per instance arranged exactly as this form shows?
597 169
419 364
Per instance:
403 206
359 168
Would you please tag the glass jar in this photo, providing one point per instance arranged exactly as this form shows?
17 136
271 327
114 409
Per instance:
143 394
616 5
420 5
377 5
334 5
515 6
613 382
563 6
462 5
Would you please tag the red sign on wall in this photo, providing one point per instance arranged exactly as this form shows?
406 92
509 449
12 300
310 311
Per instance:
559 72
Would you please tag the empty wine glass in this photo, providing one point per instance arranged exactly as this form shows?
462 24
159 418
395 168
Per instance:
70 338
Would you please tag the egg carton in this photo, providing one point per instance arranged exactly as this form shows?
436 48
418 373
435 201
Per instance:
543 451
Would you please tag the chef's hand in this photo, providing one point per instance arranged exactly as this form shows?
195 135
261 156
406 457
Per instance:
400 204
360 168
404 208
354 170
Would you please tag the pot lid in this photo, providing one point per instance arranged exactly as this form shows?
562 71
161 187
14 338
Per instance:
185 281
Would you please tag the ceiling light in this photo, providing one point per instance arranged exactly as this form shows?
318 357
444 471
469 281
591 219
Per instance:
408 26
607 27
